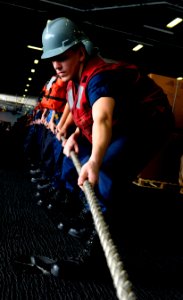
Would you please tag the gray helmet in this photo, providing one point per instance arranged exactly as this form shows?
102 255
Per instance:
88 46
59 35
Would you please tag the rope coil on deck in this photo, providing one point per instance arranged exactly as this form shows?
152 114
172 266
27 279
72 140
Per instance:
119 275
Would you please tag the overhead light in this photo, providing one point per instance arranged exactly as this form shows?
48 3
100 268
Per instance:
34 47
29 78
27 85
179 78
36 61
174 22
138 47
33 70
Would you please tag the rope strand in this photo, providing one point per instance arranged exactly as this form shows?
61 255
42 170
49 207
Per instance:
119 275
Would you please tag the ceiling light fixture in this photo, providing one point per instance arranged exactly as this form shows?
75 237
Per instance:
175 22
138 47
34 47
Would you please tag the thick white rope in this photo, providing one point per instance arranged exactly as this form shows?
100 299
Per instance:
120 277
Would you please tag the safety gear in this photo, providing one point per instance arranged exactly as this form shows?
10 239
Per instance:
58 36
151 111
54 94
83 116
89 47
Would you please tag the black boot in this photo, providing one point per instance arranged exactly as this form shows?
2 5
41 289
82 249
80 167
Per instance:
79 224
44 186
62 207
37 171
56 200
43 196
41 180
82 226
90 263
70 212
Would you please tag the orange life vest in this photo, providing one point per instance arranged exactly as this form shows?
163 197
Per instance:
54 94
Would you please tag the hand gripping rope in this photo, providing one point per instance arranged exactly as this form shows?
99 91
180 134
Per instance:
119 275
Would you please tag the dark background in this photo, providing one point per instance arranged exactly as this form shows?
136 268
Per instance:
114 26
